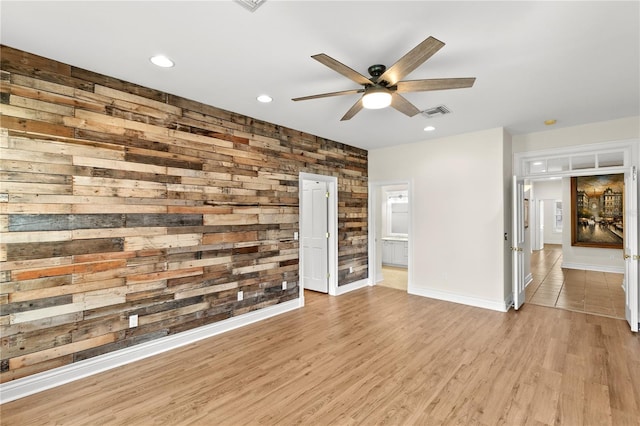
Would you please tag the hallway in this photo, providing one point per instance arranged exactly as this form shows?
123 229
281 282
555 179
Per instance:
592 292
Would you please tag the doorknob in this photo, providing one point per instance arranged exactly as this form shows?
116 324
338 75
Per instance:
626 256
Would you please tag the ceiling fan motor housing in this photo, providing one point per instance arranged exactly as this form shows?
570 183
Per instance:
376 70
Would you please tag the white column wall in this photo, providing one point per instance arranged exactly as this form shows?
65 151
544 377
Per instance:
458 214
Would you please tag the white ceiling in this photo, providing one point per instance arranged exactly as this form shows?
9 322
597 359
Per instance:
574 61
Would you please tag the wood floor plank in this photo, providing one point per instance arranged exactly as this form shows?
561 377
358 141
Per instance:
372 356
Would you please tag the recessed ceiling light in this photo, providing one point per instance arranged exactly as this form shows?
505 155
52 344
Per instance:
429 129
537 163
162 61
550 122
265 99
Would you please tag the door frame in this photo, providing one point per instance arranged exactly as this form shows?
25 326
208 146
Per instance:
518 239
375 255
631 151
332 227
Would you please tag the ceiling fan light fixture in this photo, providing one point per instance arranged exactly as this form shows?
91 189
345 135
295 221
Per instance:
376 99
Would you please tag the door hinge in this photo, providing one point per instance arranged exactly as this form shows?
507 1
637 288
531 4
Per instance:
327 194
634 172
328 235
328 275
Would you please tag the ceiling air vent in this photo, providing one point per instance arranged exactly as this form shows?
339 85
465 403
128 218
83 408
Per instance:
252 5
436 111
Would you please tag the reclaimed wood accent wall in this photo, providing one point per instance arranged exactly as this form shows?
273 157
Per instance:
118 199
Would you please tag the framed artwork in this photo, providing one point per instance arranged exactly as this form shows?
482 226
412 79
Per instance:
597 211
526 213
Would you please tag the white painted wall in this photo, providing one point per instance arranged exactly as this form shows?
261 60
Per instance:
507 178
458 213
604 131
549 191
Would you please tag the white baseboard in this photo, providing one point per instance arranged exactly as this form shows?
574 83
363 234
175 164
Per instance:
590 267
528 279
20 388
342 289
501 306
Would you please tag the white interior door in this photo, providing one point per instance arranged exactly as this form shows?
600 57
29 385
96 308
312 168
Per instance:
541 225
517 248
315 236
631 247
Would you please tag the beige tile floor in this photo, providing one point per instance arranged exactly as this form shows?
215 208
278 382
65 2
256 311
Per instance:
598 293
394 277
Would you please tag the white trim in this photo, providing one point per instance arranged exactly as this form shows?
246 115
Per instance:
501 306
626 145
528 279
591 267
20 388
332 228
353 286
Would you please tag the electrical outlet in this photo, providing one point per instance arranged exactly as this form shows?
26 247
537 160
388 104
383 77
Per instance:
295 236
240 295
351 269
284 285
133 320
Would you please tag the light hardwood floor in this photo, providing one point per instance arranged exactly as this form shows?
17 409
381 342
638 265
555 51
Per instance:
394 277
372 356
598 293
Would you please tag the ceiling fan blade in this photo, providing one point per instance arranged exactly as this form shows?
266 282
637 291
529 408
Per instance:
341 68
403 105
434 84
326 95
412 60
356 108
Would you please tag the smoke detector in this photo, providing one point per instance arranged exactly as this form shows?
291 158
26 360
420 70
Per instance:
436 111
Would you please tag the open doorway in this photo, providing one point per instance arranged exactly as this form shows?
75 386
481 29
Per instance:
553 281
392 232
